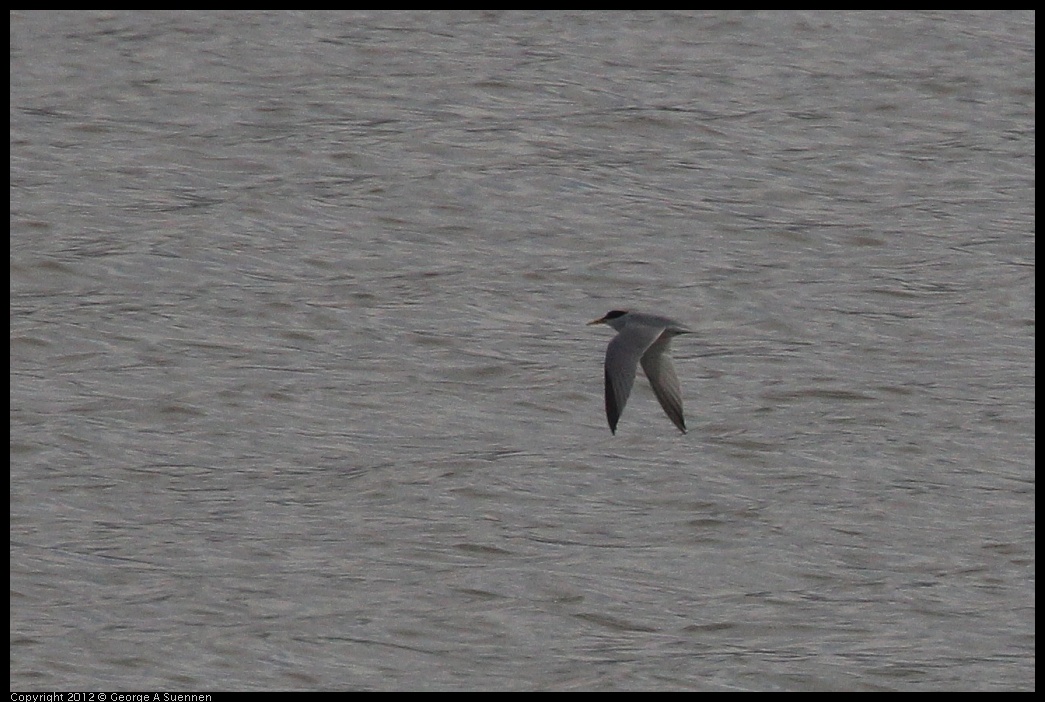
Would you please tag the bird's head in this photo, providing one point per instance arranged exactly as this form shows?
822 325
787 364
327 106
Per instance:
609 317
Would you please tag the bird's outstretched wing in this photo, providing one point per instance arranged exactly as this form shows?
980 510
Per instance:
622 358
656 363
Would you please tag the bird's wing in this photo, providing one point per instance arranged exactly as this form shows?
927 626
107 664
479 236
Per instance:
622 357
661 374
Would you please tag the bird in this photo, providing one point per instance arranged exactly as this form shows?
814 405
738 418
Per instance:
641 338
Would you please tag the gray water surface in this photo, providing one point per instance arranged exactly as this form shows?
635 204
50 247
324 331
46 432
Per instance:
302 396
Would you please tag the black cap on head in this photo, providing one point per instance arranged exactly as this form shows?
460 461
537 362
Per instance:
614 314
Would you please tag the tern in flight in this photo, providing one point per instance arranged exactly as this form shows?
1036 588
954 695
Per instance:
641 338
